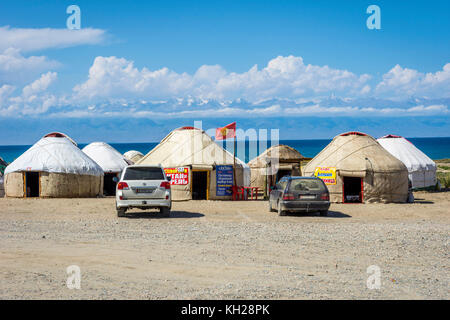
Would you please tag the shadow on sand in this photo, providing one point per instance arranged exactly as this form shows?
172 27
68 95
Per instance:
331 214
156 215
417 200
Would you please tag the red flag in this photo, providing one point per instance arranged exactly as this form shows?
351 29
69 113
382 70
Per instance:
229 131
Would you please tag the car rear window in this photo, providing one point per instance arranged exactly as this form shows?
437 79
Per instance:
143 174
306 185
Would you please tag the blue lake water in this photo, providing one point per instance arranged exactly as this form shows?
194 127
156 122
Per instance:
435 148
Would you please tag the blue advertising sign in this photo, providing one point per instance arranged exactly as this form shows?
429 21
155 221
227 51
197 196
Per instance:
224 180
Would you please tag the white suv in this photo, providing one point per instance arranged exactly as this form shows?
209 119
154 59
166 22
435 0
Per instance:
143 187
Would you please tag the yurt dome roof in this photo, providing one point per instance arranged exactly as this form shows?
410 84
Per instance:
57 155
283 152
108 158
355 152
188 146
132 153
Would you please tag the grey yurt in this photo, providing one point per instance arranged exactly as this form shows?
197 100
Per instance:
357 169
133 155
273 164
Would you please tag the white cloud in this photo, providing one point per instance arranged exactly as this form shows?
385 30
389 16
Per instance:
5 91
285 87
31 39
40 84
282 77
113 77
15 68
403 82
34 98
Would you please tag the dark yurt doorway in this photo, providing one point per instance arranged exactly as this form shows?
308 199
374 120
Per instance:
199 185
32 184
109 186
282 173
353 190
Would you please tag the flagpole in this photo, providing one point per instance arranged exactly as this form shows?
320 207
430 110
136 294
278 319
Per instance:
234 159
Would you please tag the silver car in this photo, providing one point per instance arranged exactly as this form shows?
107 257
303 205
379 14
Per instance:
143 187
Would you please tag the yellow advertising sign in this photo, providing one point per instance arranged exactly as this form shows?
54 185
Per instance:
327 174
180 176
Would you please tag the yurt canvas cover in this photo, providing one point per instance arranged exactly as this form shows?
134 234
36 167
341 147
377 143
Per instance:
364 170
421 169
133 155
111 162
53 167
275 162
192 150
108 158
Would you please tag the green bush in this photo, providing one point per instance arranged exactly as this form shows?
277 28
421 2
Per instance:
444 178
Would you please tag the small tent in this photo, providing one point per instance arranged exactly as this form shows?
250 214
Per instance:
111 162
356 168
199 167
54 167
421 169
273 164
133 155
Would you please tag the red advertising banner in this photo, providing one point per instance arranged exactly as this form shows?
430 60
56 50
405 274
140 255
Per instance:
179 176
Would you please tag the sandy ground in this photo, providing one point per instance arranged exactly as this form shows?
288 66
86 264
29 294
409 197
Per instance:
222 250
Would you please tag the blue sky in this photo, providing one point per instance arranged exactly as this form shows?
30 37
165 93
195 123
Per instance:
148 66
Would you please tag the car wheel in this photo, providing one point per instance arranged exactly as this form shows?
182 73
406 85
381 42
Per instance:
323 213
281 212
121 212
165 212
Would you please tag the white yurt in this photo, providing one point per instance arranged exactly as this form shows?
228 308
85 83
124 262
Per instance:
199 167
133 155
54 167
111 162
421 169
